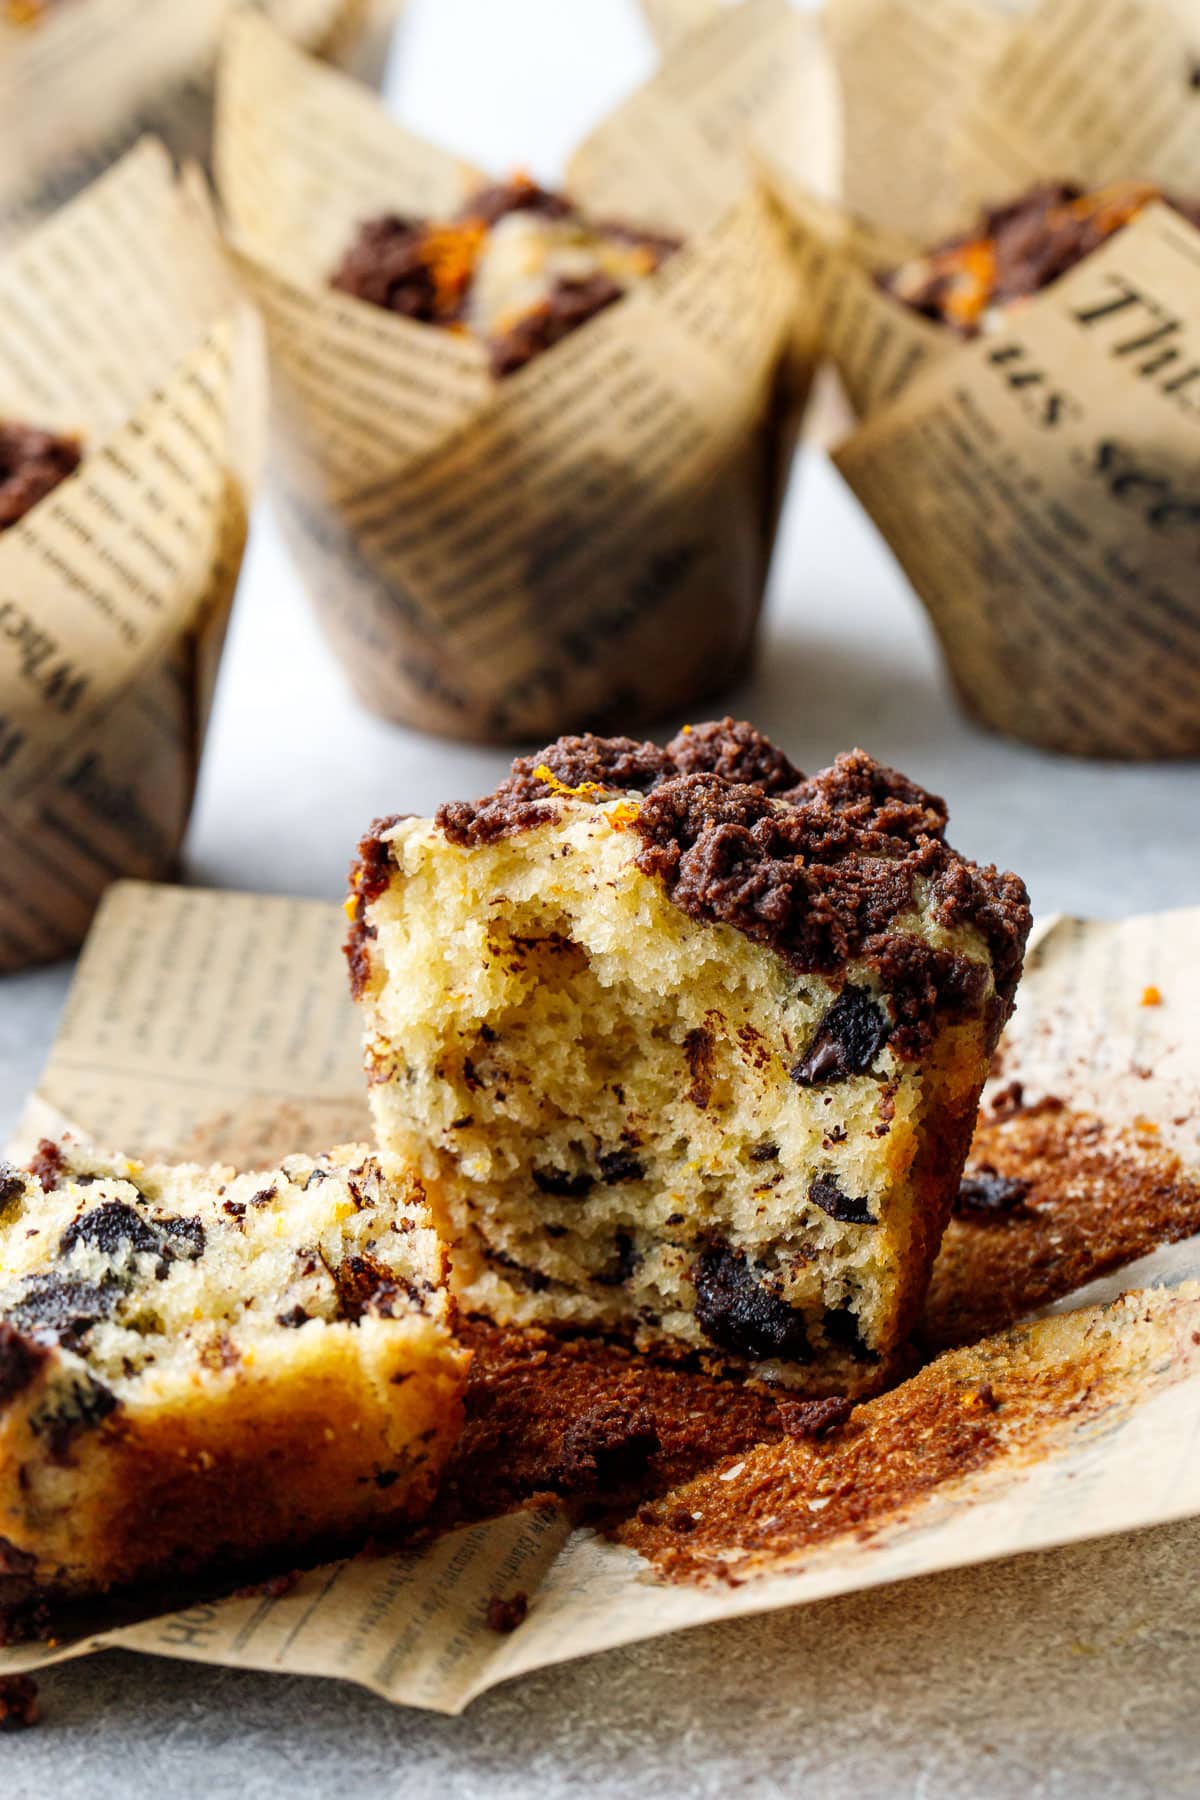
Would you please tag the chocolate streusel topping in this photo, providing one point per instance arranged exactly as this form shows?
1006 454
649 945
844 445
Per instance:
819 869
32 463
1019 248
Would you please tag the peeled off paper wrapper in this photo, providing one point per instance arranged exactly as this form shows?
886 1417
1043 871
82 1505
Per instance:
1038 484
586 541
82 80
217 1024
120 322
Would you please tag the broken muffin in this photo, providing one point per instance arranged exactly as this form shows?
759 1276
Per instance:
1019 248
687 1046
205 1371
519 267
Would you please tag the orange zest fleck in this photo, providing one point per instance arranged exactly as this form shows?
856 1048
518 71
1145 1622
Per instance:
584 791
450 253
624 813
972 272
1151 996
350 906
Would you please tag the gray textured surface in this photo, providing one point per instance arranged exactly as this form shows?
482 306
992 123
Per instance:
1069 1673
1072 1673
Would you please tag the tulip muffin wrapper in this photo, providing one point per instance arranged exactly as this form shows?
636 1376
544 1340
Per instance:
218 1025
122 325
81 83
589 536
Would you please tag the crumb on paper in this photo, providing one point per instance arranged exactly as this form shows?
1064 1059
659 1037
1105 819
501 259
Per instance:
505 1615
18 1702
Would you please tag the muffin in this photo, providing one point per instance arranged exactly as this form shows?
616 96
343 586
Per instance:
518 267
688 1047
204 1372
1017 249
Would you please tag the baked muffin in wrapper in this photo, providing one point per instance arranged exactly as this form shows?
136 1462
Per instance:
583 540
82 80
1033 462
128 350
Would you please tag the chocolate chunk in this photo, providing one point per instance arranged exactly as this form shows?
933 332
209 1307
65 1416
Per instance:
363 1285
626 1260
738 1313
18 1702
848 1209
699 1048
563 1185
620 1165
764 1152
12 1186
841 1328
20 1359
14 1561
847 1041
505 1615
113 1227
58 1306
985 1193
73 1409
291 1321
814 1418
606 1448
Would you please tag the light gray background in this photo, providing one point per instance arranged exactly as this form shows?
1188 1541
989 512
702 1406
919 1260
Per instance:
1067 1673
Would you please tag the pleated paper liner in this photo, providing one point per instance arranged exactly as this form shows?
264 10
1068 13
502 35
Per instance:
1084 1424
119 321
585 542
1038 484
83 80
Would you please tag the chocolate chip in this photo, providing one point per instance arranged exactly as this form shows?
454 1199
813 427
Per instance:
627 1260
20 1359
847 1041
814 1418
235 1208
57 1306
563 1185
699 1047
827 1193
764 1152
291 1321
364 1285
738 1313
987 1193
78 1407
113 1226
620 1165
11 1186
842 1329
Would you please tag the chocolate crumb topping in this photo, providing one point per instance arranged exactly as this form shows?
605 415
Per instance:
18 1702
819 869
985 1193
47 1165
505 1615
606 1448
814 1418
32 464
734 1310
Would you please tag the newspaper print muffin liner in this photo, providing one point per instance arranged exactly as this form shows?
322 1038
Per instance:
82 80
121 324
586 541
1037 484
1114 1365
